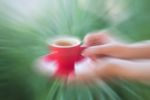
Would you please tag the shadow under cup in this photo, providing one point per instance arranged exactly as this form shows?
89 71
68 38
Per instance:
66 52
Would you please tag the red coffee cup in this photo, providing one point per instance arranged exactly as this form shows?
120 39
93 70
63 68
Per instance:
66 52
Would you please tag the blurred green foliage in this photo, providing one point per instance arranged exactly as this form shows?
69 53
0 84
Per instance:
25 25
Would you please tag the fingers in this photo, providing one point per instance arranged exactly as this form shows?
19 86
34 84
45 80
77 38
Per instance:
95 39
100 50
100 69
84 74
116 50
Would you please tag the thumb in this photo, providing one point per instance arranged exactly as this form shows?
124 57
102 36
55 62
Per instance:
96 50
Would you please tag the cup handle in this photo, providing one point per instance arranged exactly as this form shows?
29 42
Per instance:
80 57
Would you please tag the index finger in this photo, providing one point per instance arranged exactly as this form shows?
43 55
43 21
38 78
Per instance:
95 39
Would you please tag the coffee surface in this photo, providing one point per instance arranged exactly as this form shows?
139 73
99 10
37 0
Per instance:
63 43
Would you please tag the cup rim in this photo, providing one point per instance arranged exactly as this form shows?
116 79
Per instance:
76 41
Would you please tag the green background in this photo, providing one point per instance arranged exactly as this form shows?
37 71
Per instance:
25 26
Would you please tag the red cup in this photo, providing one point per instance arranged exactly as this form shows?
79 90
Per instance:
66 55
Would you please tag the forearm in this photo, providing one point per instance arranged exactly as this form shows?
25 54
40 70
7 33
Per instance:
135 51
140 50
138 70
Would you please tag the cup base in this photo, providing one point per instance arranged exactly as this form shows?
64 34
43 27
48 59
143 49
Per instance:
49 67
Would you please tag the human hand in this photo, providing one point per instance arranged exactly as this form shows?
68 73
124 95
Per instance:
96 70
113 64
102 44
105 68
97 38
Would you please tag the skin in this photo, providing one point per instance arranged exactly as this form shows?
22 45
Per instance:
115 59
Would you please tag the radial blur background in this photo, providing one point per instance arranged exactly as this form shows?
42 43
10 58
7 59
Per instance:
25 25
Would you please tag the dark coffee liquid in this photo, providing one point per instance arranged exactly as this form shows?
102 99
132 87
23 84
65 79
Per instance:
63 43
